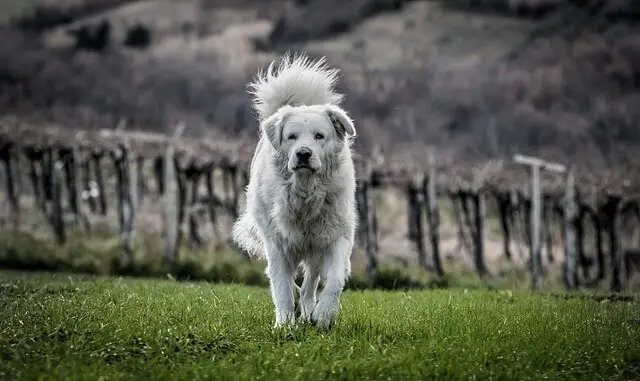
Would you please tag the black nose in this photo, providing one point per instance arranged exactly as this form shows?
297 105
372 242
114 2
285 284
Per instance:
303 154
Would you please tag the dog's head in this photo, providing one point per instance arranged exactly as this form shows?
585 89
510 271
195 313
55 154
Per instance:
308 136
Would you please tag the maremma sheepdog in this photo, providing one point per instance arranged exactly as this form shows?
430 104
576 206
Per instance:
301 207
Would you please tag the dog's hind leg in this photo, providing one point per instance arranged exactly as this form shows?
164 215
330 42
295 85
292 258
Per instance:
281 273
335 267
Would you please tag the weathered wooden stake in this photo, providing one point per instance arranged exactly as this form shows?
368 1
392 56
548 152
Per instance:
579 226
547 218
85 176
612 207
570 249
125 205
536 205
56 211
35 178
503 210
47 164
599 243
11 188
193 181
464 198
70 158
236 189
478 201
134 176
517 221
368 221
78 168
170 199
456 202
416 228
433 219
211 206
141 189
158 171
99 179
132 200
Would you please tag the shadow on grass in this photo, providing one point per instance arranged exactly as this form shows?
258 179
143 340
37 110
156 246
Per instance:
23 252
613 298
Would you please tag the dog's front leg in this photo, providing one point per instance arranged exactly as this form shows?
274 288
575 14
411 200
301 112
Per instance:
309 287
280 272
335 268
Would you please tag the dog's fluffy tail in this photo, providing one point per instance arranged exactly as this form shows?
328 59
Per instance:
295 81
246 236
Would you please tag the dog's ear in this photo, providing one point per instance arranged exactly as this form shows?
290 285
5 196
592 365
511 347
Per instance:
341 122
272 127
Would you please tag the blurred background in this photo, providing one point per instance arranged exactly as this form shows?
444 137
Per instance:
476 79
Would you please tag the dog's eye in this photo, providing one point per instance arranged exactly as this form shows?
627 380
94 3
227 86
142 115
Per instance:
319 136
292 137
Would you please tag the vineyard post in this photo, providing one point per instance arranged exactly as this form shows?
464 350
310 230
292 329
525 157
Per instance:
11 168
432 215
368 221
570 216
514 200
536 165
171 223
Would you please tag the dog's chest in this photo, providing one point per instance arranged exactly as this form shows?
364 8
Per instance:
309 223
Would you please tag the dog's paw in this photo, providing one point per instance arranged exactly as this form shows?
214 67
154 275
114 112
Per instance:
306 309
323 316
285 319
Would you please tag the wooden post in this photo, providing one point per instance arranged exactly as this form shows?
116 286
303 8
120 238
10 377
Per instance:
211 206
11 179
579 227
570 249
140 181
368 221
34 157
478 201
46 178
3 202
597 226
236 189
56 211
134 176
85 175
433 219
547 217
131 200
476 226
456 204
74 191
536 205
125 205
181 179
192 183
463 199
516 209
170 199
227 186
416 228
102 194
158 172
612 208
503 210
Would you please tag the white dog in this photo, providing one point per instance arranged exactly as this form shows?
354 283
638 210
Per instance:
301 195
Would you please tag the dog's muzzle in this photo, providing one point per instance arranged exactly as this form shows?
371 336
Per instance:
303 159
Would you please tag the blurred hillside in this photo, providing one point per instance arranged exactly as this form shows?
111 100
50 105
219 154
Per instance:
475 78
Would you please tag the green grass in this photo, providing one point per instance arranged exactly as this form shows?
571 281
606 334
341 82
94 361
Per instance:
69 327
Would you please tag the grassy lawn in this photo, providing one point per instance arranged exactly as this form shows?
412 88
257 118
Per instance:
69 327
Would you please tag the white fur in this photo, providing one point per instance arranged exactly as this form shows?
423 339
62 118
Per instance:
301 211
